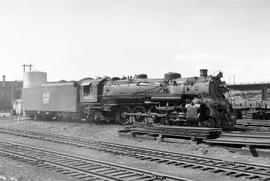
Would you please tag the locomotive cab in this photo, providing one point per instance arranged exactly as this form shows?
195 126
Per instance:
90 98
91 90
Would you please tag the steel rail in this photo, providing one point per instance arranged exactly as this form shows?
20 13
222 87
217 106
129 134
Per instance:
250 139
248 135
79 167
235 169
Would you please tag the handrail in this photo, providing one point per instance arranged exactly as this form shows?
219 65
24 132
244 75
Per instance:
248 83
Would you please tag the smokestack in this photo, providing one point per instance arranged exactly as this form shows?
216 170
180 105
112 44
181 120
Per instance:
203 72
4 81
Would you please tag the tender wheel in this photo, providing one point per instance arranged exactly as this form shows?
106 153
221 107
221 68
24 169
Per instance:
120 115
59 117
139 109
98 118
31 115
94 116
90 117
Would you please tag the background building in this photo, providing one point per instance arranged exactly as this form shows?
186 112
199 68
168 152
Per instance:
10 92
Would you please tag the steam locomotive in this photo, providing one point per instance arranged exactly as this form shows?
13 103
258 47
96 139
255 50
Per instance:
173 100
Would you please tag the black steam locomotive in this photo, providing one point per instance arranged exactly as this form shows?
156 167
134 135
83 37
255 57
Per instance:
190 101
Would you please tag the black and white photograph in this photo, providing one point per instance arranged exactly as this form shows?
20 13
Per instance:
135 90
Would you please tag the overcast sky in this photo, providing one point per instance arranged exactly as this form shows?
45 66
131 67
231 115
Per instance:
72 39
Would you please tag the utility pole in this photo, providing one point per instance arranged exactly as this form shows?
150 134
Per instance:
25 65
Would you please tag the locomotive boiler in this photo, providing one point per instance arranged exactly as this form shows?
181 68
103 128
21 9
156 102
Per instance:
192 101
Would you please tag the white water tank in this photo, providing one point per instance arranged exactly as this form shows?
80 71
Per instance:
34 79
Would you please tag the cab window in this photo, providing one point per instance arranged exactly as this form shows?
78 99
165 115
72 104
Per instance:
86 89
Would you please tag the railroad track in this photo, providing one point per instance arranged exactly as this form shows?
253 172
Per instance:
264 135
78 167
254 139
253 123
228 168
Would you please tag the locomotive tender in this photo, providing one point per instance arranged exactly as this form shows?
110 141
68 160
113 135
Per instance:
191 101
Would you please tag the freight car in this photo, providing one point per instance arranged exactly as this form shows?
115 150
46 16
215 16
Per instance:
195 101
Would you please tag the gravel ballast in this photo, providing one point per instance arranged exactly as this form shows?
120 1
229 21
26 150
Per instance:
109 133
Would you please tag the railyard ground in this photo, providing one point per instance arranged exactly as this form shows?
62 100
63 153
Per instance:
13 170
